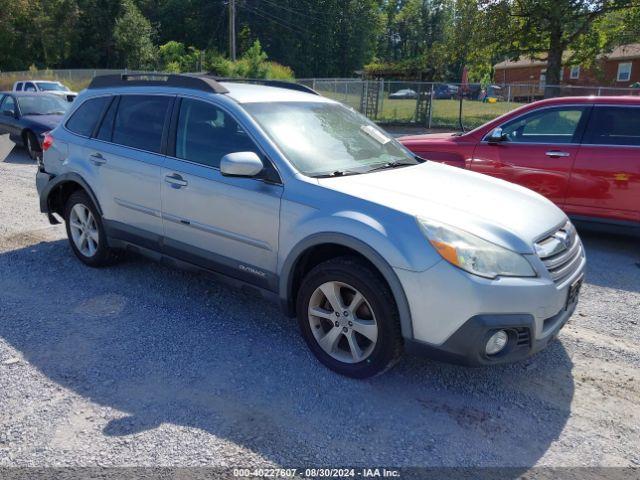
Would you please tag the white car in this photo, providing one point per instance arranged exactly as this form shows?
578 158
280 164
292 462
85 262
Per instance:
46 86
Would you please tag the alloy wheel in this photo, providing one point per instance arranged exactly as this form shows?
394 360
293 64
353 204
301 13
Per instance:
84 230
343 322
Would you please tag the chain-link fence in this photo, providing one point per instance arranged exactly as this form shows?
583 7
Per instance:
443 105
76 79
423 104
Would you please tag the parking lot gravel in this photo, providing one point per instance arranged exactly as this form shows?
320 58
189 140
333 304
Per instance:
143 365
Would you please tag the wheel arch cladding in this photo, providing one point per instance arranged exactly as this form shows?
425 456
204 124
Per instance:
324 246
60 188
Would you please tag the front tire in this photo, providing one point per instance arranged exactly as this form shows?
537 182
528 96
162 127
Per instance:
86 233
349 319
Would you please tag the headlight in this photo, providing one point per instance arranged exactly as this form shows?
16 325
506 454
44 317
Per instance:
473 254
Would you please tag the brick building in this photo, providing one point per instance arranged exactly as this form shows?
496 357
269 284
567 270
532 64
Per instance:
618 69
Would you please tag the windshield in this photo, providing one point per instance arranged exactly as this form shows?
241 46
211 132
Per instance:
328 138
52 87
42 105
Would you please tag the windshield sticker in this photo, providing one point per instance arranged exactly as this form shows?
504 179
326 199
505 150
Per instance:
376 134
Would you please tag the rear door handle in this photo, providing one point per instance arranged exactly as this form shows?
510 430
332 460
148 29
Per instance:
557 154
176 181
97 159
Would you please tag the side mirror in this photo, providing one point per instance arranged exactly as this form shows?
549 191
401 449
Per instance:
241 164
9 113
496 136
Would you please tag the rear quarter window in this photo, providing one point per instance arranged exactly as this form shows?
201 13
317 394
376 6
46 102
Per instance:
84 120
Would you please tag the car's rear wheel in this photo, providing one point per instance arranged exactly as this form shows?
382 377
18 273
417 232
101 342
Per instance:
85 231
348 318
32 146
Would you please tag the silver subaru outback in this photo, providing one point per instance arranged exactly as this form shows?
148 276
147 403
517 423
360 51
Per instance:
374 250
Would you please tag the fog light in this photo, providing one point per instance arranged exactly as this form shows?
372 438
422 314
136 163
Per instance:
497 342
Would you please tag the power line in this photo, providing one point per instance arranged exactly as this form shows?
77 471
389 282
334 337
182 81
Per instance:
278 20
296 12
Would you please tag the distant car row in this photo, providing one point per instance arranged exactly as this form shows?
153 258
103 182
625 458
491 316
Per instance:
444 91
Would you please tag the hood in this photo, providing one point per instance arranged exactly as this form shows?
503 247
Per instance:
47 122
501 212
427 137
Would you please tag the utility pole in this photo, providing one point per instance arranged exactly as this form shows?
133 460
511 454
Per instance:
232 29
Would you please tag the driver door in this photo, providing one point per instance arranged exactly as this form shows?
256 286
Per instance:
538 150
226 224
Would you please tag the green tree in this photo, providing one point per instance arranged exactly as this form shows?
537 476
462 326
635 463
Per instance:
132 36
545 29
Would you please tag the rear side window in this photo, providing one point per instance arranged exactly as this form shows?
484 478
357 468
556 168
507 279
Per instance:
614 126
140 121
19 86
553 126
84 120
205 134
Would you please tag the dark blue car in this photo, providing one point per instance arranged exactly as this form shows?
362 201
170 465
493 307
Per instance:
27 116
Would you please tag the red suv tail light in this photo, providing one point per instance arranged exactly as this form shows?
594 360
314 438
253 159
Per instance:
47 141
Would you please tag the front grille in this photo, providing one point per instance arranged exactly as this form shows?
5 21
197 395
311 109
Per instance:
561 253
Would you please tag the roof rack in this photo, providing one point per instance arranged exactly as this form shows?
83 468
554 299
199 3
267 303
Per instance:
205 83
268 83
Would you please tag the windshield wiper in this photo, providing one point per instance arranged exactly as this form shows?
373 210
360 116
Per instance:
388 165
337 173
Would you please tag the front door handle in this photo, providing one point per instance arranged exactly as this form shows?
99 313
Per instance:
176 181
97 159
557 154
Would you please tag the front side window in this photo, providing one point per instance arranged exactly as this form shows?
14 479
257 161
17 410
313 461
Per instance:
140 120
8 104
614 126
558 125
624 72
206 133
42 105
321 138
86 117
29 87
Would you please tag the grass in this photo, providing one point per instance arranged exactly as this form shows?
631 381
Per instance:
445 112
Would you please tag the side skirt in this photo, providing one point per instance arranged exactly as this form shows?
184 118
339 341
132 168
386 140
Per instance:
186 257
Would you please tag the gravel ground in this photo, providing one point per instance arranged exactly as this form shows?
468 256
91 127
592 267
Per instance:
141 365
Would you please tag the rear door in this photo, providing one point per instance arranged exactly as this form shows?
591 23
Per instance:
228 224
605 181
538 151
126 153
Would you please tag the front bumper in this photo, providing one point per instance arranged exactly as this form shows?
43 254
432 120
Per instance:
466 345
453 313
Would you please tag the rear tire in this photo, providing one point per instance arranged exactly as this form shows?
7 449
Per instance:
86 233
349 319
32 146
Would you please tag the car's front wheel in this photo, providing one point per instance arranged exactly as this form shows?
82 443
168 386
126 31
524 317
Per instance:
349 319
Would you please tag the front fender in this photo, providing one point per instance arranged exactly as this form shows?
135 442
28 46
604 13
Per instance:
286 286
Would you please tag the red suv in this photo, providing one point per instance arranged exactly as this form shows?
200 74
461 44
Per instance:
582 153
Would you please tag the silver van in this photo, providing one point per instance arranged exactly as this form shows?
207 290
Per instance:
374 250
